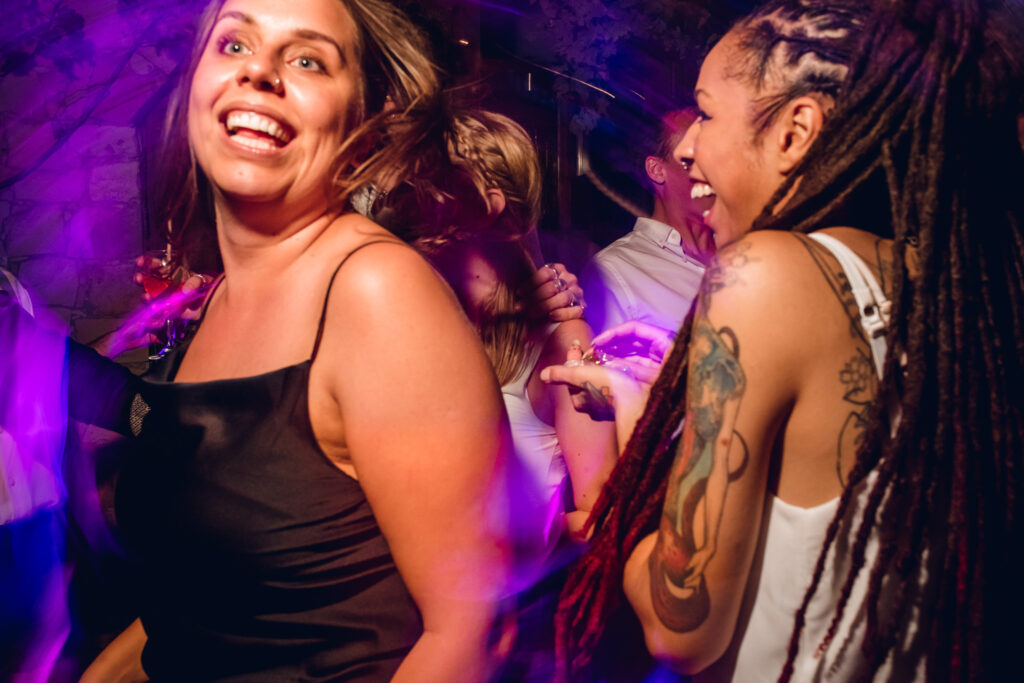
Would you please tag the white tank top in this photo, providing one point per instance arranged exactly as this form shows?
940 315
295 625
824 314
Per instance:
791 540
536 444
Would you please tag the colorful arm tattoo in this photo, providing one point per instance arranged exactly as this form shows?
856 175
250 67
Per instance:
690 522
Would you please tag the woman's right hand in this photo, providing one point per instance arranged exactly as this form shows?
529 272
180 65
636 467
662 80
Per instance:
623 362
615 389
141 327
190 289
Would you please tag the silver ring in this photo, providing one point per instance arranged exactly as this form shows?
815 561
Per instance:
572 302
551 267
573 363
560 285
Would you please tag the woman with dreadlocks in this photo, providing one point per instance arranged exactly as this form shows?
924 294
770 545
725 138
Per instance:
853 365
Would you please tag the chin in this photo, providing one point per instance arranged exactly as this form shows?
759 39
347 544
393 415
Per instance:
253 187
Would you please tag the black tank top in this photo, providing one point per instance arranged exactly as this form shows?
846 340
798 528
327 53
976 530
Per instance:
260 560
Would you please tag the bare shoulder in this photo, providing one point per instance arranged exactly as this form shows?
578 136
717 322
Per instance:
381 270
765 270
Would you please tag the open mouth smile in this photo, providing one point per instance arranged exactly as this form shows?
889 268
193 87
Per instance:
257 131
703 196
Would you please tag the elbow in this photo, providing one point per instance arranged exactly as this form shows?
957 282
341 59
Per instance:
687 654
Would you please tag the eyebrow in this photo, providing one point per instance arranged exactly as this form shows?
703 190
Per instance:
304 33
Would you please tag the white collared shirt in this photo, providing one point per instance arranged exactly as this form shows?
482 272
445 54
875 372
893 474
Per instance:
645 275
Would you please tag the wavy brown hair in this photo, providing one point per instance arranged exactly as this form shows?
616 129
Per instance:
397 94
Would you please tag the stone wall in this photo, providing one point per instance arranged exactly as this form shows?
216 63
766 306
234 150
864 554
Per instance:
78 79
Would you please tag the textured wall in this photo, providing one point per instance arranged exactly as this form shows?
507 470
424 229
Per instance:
78 77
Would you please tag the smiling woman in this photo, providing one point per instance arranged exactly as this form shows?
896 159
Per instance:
320 488
842 502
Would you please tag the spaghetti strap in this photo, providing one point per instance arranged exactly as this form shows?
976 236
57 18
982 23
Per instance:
330 285
872 303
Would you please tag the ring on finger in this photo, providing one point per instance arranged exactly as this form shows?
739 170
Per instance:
552 268
560 285
572 300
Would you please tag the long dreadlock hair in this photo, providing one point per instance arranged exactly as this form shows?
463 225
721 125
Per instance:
926 113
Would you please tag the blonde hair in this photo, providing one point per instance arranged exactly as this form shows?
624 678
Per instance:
447 215
498 154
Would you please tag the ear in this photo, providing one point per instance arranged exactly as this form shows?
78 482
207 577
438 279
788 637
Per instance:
495 202
655 170
799 124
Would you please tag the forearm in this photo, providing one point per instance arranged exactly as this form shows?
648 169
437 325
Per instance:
629 406
685 652
443 657
99 390
121 660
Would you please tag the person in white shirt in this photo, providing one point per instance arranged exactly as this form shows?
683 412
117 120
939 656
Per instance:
652 273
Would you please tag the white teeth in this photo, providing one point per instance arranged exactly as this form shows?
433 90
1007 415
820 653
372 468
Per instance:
700 190
253 121
255 143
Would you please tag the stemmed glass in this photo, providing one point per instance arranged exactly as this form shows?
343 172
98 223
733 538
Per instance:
159 277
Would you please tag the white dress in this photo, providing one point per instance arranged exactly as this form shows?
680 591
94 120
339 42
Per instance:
536 445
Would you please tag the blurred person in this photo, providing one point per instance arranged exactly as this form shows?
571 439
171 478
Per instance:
475 228
34 618
486 261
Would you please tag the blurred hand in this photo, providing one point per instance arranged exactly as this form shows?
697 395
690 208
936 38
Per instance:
644 347
190 290
182 300
607 387
556 294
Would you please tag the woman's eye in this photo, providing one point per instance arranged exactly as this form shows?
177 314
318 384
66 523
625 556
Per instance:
308 63
230 46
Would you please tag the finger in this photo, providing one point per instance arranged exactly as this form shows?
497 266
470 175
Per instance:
572 376
192 283
577 293
575 352
546 273
551 288
642 372
644 338
562 299
570 279
628 329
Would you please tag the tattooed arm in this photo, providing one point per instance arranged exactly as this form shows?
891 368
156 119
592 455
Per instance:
686 581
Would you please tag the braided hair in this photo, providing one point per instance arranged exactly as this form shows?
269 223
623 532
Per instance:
924 124
937 119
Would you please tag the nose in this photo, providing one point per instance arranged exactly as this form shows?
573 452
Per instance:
260 72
